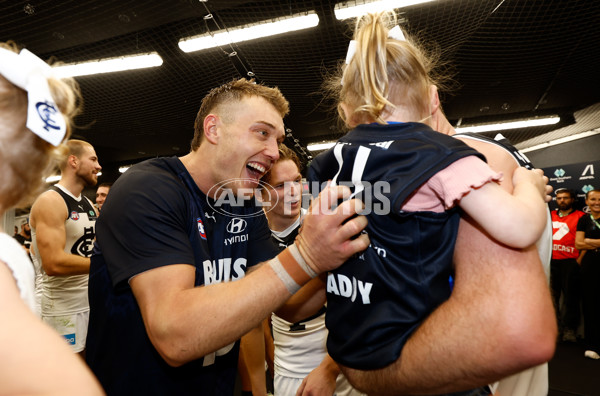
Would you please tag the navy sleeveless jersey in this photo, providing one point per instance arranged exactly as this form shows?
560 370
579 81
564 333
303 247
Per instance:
156 216
378 298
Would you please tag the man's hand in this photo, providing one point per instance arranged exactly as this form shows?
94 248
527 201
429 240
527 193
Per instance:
325 238
321 381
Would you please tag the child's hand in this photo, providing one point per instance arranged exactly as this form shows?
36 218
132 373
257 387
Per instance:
535 177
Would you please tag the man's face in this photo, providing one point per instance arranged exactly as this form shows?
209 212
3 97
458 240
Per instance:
26 229
88 166
101 194
593 202
246 140
564 201
286 191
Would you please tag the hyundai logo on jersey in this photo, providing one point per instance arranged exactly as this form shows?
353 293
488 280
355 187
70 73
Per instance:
236 226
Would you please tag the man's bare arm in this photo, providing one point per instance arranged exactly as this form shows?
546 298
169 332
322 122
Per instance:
48 216
306 302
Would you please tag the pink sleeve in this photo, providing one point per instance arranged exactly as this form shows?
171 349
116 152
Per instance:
448 186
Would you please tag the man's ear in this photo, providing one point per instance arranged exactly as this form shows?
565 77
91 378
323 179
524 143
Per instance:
211 128
73 161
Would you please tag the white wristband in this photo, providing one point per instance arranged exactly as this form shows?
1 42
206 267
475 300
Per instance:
291 268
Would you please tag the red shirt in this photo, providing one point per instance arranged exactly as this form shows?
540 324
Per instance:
563 235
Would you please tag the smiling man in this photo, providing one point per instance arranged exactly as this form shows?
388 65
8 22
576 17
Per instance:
169 290
62 230
101 194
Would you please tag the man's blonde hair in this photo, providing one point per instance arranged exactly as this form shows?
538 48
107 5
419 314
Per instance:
233 92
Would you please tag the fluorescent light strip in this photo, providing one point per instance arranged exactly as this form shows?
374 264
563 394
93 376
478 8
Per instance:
560 141
320 146
509 125
249 32
108 65
343 11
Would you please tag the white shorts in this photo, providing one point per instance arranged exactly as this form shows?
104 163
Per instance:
284 386
287 386
73 327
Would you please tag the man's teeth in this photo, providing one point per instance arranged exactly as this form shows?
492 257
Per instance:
257 167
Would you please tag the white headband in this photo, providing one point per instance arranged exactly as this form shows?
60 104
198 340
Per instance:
28 72
395 33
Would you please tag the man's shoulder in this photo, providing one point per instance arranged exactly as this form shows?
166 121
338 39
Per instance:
48 200
157 174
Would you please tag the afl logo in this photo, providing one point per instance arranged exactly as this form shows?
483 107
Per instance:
74 215
228 194
236 226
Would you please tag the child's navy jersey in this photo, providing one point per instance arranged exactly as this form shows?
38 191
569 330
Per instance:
156 216
378 298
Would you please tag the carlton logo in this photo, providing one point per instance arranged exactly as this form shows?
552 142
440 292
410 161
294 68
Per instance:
47 112
233 193
236 226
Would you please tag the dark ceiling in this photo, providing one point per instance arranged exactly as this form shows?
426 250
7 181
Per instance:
508 58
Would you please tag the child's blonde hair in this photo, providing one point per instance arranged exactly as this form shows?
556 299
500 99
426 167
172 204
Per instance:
383 73
25 158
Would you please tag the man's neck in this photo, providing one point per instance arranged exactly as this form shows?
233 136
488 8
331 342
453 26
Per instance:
562 213
278 223
196 167
72 185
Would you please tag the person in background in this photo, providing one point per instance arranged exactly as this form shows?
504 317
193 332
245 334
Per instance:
170 295
101 193
62 222
414 370
24 237
564 267
34 358
587 240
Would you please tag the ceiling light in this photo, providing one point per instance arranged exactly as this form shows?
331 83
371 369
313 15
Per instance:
320 146
560 141
509 125
249 32
52 179
129 62
347 10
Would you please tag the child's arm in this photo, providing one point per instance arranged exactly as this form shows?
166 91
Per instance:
515 220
